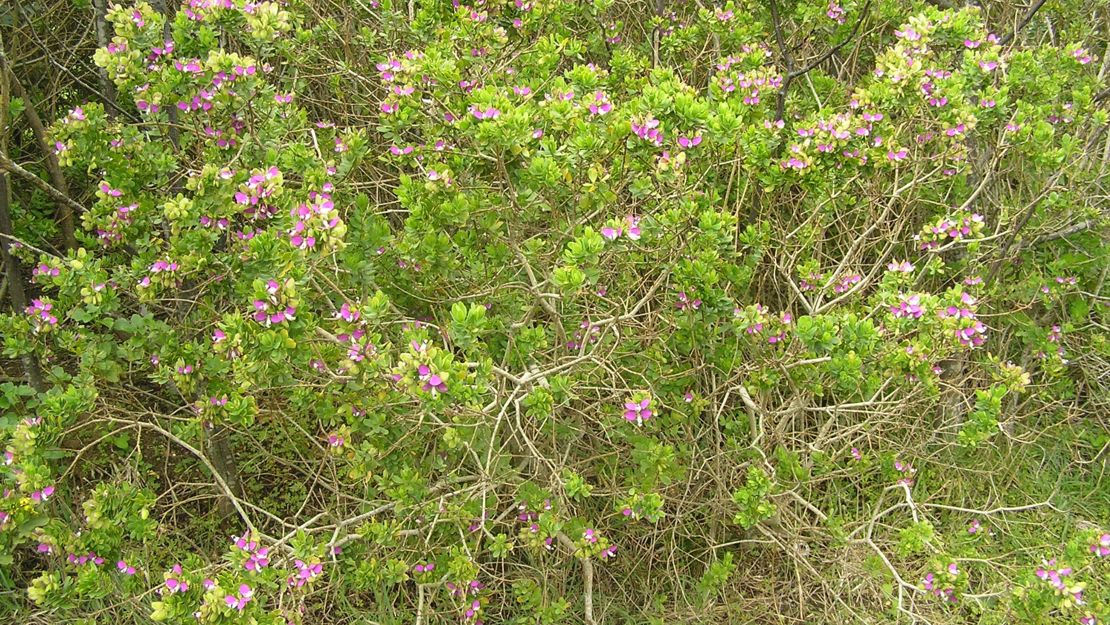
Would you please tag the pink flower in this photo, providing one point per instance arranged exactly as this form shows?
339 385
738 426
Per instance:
633 227
125 568
484 113
689 142
638 412
600 104
907 307
1101 547
238 602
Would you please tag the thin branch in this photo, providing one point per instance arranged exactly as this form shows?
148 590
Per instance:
8 164
1024 21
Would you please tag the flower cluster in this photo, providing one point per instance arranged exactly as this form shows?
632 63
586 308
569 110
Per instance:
305 572
275 304
630 228
1101 546
942 584
257 192
174 581
41 316
906 472
648 129
953 229
256 557
1071 593
317 221
239 601
969 331
907 306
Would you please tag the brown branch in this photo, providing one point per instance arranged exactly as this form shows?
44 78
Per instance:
1022 24
791 71
57 178
7 164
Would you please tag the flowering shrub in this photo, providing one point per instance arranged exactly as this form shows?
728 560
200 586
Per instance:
550 312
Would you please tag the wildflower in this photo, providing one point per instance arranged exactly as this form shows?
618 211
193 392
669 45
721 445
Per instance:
975 527
306 572
600 104
125 568
1101 548
433 382
856 454
904 266
633 227
484 113
175 584
906 470
689 142
40 496
907 307
638 412
238 602
684 302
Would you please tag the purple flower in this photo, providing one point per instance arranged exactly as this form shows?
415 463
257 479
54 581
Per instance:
125 568
600 104
433 382
1101 547
907 307
638 412
484 113
238 602
689 142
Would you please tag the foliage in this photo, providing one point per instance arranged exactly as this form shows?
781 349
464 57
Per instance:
552 312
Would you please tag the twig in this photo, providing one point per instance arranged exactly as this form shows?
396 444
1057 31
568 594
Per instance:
1024 21
8 164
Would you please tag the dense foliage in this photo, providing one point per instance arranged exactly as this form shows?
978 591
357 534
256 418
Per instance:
559 312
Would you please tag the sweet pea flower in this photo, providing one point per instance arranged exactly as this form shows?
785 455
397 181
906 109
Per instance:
907 307
689 142
40 496
1101 547
240 601
638 412
600 104
433 382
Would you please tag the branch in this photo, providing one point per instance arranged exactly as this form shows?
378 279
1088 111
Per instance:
206 462
791 71
1024 21
587 580
8 164
833 50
